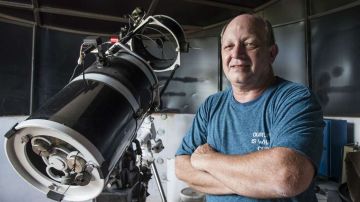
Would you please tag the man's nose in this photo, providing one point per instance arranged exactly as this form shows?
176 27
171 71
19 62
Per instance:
239 51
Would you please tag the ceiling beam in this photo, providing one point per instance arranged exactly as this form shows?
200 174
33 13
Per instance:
335 10
219 24
16 5
220 5
27 23
36 12
38 9
16 20
265 5
76 31
74 13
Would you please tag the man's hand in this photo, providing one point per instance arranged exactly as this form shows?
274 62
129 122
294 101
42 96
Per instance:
204 149
198 158
198 180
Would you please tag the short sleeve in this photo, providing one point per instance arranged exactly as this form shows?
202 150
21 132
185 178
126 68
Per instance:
298 124
196 135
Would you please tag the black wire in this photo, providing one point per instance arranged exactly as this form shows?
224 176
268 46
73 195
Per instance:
162 34
66 191
83 74
168 80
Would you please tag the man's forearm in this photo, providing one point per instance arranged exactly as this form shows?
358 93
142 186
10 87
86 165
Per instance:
271 173
199 180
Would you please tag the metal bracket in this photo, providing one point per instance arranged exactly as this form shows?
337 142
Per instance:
55 196
11 132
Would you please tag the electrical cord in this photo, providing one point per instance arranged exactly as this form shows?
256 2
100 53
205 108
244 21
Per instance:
79 62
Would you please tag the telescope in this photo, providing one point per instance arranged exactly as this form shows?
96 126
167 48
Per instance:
83 140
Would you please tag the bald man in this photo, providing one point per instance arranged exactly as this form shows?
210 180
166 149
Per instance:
261 139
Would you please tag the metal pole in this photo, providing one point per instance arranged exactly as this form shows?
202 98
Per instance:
32 68
220 71
308 42
158 182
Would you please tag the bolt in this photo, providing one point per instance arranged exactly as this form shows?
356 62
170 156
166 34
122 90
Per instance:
67 180
163 116
139 112
41 147
53 187
26 138
76 163
161 132
83 178
160 161
163 177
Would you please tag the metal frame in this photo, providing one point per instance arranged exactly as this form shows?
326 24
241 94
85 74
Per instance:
262 7
37 18
32 76
220 5
16 20
335 10
16 5
307 47
37 9
68 12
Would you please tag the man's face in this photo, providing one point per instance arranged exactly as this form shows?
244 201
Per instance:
246 56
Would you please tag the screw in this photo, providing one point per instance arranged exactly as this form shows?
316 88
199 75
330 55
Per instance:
53 187
25 139
160 161
163 116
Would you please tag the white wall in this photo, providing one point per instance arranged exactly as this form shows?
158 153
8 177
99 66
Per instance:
13 188
170 128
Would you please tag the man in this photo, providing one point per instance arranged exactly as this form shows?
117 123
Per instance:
261 139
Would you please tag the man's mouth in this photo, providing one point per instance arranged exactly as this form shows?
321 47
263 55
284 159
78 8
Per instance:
241 66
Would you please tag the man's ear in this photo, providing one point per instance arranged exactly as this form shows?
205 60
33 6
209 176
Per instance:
273 52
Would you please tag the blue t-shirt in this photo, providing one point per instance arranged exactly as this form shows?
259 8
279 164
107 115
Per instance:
286 114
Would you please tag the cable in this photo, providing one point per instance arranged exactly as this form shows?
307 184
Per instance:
79 62
168 80
163 54
83 74
164 35
152 40
73 74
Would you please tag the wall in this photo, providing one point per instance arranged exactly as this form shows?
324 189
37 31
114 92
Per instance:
301 58
13 188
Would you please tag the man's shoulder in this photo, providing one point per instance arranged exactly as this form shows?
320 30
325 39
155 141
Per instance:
215 101
288 88
218 97
288 93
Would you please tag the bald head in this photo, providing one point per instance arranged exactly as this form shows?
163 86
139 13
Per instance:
257 23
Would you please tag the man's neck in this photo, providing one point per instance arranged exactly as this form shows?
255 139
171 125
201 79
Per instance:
244 95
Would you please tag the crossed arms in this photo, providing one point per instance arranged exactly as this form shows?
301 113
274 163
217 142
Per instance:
274 173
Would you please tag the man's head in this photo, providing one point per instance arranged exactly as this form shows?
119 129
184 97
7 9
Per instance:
248 49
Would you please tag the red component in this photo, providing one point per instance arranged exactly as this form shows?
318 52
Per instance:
114 39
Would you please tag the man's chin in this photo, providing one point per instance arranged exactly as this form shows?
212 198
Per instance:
240 79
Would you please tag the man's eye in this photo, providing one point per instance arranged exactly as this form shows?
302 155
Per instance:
228 47
250 45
